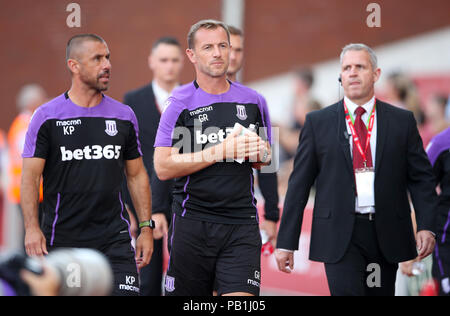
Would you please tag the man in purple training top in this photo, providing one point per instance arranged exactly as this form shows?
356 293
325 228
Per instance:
439 154
214 232
81 142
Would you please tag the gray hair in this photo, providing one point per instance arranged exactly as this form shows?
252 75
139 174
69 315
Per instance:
205 24
28 95
358 47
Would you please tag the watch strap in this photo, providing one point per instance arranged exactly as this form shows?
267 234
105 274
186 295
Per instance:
149 223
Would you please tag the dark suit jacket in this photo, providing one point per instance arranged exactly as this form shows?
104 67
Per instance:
143 103
323 158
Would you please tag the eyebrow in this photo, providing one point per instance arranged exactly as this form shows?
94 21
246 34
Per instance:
348 65
102 55
219 43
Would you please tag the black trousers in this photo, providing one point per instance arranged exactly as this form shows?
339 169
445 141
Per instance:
362 271
441 255
151 275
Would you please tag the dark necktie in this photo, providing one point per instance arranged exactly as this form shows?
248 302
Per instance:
361 131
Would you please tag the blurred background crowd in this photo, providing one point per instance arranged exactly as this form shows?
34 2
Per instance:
291 48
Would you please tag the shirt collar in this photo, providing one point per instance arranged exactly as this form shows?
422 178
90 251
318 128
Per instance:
161 95
353 106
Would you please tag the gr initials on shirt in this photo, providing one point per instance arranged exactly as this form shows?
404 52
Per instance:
94 152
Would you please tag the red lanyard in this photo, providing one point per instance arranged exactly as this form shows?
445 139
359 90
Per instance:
355 136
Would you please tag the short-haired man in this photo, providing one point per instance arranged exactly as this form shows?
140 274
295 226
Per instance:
364 156
268 182
165 62
81 142
214 234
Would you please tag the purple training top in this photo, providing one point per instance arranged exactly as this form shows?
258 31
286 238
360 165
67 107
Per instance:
193 120
85 150
438 144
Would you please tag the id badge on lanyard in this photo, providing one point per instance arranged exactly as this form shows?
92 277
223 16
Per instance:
365 179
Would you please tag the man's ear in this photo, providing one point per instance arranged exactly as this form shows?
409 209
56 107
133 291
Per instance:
377 74
150 62
73 65
191 55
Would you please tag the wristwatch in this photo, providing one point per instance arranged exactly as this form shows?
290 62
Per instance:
266 154
149 223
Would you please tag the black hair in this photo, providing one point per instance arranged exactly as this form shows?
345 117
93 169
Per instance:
169 40
76 40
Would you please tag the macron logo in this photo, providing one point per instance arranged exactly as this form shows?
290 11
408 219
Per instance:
68 123
95 152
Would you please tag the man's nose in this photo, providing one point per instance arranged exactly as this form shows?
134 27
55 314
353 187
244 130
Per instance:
217 52
107 64
353 72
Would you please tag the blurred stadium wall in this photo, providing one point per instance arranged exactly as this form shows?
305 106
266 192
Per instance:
279 35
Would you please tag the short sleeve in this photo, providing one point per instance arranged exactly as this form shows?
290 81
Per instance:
37 139
170 119
265 118
133 146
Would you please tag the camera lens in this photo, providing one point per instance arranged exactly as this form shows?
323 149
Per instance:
84 272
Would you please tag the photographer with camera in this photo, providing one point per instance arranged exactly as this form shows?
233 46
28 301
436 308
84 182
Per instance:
65 272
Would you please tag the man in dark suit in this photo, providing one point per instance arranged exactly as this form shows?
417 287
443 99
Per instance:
364 157
268 181
166 63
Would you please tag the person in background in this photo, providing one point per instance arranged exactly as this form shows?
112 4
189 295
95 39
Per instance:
447 109
414 272
165 62
402 92
29 98
3 148
439 155
3 151
268 182
303 103
435 113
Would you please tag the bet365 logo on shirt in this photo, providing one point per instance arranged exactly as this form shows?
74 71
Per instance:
94 152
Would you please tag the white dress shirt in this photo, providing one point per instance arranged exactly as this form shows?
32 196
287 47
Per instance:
161 96
373 140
